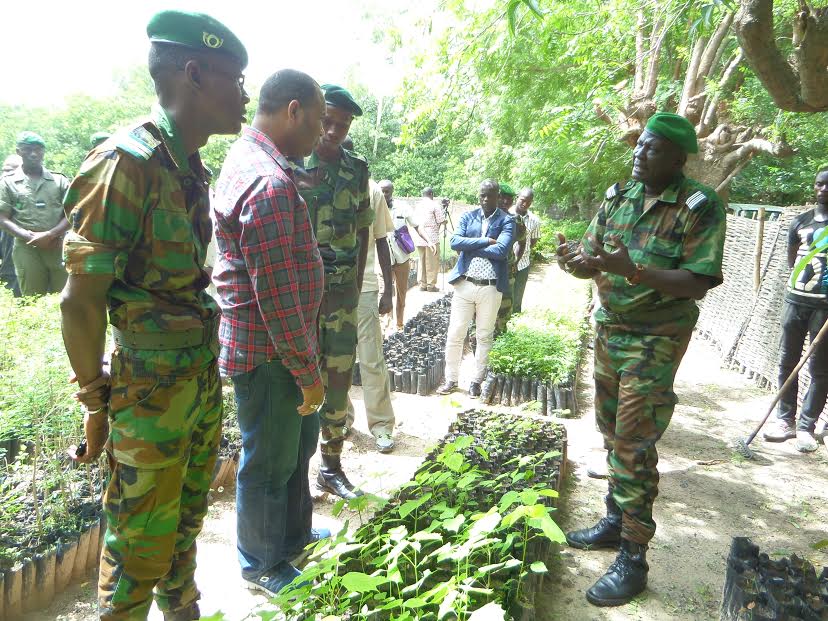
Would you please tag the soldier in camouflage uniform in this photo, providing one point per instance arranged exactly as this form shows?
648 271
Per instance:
504 313
140 229
334 184
654 247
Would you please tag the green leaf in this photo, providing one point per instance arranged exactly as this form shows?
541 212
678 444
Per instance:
361 583
454 462
820 545
339 505
409 506
415 602
453 525
538 567
484 525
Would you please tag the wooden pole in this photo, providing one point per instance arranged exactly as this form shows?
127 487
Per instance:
760 238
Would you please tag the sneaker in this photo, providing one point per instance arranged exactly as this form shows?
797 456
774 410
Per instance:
474 390
273 581
385 443
316 535
780 431
446 388
806 441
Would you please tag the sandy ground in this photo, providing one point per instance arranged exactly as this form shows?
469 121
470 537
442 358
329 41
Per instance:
707 494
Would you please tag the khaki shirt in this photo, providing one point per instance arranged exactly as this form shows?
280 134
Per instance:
382 227
34 204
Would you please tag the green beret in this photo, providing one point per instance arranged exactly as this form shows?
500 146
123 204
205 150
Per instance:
30 138
507 190
196 31
98 137
339 97
674 128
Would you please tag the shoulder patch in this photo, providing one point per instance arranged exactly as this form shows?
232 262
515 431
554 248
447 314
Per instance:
137 141
355 156
612 192
695 200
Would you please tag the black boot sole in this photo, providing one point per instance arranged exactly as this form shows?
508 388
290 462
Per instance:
330 490
609 603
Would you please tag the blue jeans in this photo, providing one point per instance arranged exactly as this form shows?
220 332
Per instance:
274 508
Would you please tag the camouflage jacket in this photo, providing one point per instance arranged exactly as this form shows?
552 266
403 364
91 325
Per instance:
684 229
139 211
339 206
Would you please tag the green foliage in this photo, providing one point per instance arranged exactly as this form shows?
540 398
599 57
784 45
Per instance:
43 498
453 540
547 243
538 344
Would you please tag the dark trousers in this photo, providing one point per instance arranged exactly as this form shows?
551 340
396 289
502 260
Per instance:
797 322
8 277
521 276
274 508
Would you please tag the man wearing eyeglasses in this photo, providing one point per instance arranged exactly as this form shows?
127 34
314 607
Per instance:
140 219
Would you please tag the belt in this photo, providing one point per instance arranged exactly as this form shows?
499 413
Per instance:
482 283
164 341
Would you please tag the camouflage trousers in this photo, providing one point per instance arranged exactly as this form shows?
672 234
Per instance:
634 402
504 314
162 449
337 349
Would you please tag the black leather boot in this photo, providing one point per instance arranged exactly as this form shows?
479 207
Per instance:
605 534
332 479
625 578
188 613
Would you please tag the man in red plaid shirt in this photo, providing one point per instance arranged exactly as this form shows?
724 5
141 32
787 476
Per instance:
269 278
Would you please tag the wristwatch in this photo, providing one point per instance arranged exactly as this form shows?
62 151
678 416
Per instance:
636 277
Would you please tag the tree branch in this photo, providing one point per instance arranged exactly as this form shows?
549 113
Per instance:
690 76
709 114
754 28
638 83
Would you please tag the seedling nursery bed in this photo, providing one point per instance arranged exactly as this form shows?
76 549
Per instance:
468 534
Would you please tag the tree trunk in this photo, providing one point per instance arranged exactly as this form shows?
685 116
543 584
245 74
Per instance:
803 88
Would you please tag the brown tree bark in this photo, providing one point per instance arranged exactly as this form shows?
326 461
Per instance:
803 86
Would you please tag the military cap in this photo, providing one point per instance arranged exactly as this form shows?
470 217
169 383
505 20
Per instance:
30 138
674 128
196 31
507 190
98 137
339 97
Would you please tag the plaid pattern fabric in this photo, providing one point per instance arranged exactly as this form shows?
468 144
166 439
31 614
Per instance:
268 275
532 223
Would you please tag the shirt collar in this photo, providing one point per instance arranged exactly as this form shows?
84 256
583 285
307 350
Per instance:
669 195
19 175
491 217
261 139
171 138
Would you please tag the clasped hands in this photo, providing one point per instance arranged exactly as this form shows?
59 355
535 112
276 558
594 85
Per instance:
94 396
572 257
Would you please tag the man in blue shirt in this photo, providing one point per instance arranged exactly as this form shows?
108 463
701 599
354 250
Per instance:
483 238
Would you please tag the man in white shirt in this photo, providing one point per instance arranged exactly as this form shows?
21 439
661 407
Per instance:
483 238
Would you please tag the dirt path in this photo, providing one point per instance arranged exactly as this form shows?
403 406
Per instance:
707 495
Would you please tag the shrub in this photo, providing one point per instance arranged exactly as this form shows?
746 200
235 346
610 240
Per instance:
538 344
544 250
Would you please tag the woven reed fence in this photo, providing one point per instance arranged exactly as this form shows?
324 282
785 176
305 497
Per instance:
742 322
